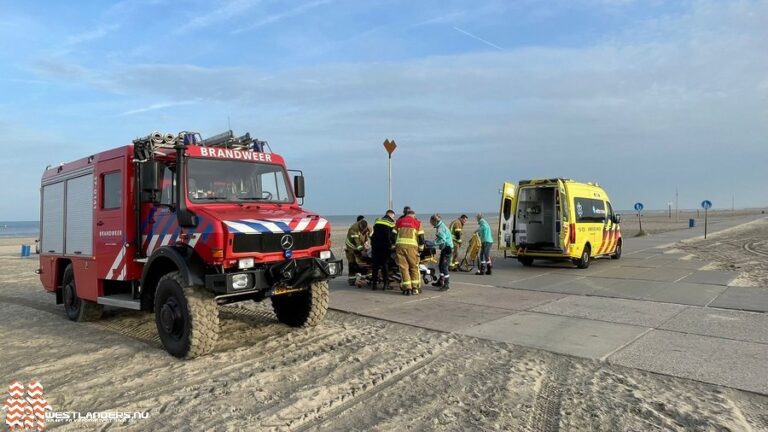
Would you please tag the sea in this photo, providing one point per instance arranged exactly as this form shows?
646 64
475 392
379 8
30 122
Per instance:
19 229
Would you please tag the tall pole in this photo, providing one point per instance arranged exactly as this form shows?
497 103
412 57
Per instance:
390 146
677 207
390 182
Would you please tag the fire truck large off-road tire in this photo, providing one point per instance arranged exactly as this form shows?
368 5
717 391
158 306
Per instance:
76 308
304 308
187 317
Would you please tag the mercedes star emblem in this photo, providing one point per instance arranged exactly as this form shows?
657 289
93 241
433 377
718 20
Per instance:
286 242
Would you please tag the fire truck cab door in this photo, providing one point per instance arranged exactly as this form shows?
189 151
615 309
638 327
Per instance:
109 223
506 215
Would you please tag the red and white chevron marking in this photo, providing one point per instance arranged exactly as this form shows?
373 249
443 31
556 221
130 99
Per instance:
16 411
117 269
16 389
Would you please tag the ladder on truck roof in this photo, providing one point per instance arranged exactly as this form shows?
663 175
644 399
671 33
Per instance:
144 148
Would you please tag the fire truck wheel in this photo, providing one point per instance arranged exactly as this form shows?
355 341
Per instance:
76 308
187 318
303 308
583 262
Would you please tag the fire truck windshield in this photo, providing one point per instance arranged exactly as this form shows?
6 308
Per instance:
223 180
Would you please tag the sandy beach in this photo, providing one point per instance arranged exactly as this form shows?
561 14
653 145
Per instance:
350 373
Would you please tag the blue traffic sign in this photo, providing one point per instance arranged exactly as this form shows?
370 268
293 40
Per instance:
638 206
706 204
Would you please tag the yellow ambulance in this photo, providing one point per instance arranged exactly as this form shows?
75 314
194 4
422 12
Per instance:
558 219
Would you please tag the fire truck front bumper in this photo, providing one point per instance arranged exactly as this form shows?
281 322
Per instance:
293 273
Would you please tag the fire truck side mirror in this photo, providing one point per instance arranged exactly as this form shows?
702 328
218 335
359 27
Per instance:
150 176
298 186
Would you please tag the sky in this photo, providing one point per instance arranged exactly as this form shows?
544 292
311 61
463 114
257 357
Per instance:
643 97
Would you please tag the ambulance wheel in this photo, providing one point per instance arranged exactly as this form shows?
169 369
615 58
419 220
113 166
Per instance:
583 262
76 308
525 261
187 318
617 253
303 308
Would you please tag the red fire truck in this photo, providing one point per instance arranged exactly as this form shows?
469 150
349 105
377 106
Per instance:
178 225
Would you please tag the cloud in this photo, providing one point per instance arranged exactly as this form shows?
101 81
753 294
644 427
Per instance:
290 13
491 44
224 13
90 35
158 106
640 110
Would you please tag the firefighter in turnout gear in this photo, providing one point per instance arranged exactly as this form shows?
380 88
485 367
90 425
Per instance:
456 227
444 242
355 244
408 247
382 244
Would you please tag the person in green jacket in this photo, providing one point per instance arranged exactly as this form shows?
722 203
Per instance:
486 241
444 242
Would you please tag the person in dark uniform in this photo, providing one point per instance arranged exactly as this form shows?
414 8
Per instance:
382 244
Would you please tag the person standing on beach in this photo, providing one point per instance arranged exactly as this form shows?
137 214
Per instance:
408 247
456 227
382 243
444 242
353 248
406 209
486 241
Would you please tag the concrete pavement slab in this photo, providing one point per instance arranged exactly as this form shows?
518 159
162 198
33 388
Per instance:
500 276
664 274
667 261
621 272
714 360
711 277
743 298
637 262
361 300
504 298
681 293
564 284
566 335
623 311
438 314
746 326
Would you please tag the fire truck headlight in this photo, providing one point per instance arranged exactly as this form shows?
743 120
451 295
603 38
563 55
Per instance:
245 263
324 255
333 268
241 281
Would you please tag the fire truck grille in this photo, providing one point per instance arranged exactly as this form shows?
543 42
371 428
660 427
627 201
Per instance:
270 242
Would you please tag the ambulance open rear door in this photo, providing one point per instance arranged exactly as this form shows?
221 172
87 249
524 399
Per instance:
506 219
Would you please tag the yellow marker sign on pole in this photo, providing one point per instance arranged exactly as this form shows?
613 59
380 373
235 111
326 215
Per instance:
390 146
